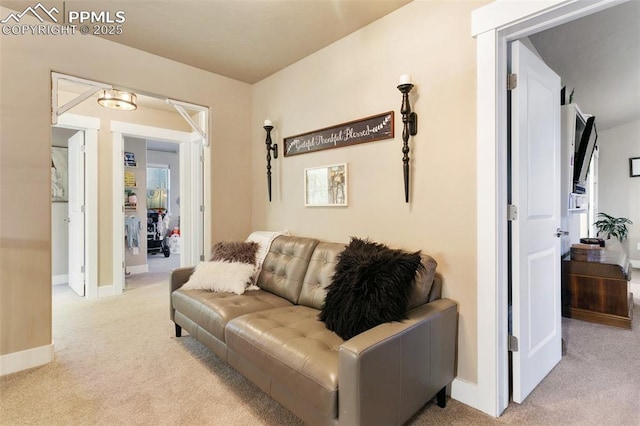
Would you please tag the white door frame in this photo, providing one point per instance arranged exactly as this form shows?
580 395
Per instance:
192 186
493 26
90 126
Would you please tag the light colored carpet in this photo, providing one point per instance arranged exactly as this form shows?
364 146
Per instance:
159 263
117 362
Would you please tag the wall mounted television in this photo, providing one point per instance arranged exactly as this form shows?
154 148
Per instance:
586 138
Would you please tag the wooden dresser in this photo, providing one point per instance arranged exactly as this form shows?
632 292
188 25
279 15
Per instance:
598 291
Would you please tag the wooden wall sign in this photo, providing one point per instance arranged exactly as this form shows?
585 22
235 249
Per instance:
367 129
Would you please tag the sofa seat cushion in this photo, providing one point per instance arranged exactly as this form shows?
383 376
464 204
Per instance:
294 348
212 311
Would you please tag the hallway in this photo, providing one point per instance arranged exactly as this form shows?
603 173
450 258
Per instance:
160 268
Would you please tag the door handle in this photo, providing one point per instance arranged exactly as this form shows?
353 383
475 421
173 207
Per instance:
68 220
560 232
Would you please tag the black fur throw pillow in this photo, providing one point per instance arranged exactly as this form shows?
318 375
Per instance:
371 285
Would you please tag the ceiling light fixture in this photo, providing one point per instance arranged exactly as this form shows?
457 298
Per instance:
117 99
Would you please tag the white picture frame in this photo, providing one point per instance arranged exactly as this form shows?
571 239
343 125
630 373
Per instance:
326 186
634 167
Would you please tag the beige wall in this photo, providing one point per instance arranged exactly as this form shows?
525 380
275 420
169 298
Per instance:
357 77
25 138
353 78
619 194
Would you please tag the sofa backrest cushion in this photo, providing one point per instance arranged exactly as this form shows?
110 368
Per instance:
424 282
285 265
319 274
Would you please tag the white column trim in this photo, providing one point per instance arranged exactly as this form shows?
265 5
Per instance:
117 168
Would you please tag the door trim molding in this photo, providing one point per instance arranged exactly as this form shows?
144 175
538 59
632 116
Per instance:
493 26
189 188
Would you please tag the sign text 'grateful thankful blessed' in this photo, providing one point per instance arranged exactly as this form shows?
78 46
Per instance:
368 129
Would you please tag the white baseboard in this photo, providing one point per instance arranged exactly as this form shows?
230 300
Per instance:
105 291
635 289
465 392
634 263
60 279
22 360
137 269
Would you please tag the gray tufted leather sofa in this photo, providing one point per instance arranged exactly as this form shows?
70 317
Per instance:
272 336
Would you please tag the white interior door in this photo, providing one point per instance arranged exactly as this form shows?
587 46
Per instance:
535 191
76 217
191 203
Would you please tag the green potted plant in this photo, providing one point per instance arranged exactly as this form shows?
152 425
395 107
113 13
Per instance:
610 226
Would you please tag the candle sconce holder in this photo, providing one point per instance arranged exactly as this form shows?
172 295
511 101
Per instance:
410 128
270 147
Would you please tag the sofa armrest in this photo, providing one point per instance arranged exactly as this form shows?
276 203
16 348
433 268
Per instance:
389 372
178 277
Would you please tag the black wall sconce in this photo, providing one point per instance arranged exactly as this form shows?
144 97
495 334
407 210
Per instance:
410 128
268 126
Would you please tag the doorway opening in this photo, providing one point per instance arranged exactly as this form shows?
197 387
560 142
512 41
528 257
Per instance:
191 188
154 186
74 229
494 26
67 223
104 273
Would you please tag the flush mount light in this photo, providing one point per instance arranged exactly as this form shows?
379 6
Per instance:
117 99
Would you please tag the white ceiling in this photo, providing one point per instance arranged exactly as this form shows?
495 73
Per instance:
599 56
245 40
248 40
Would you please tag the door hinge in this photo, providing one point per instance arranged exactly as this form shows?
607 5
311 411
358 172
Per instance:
123 264
512 212
82 269
202 208
82 209
512 81
202 257
83 149
512 343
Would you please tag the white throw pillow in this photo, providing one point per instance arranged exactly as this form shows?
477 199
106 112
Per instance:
221 276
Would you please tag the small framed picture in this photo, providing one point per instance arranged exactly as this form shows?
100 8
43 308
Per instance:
59 174
634 167
326 186
130 159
